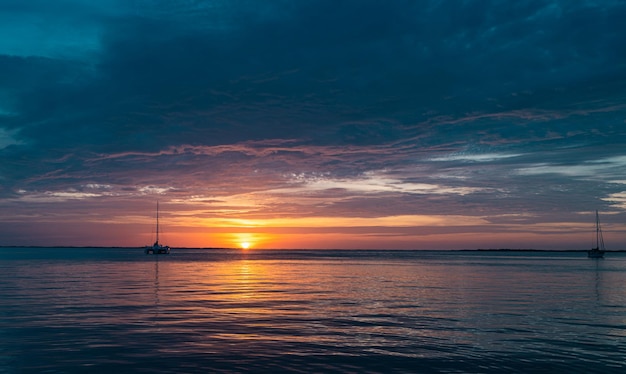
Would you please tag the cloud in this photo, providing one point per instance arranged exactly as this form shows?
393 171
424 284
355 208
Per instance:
314 108
607 169
7 139
372 183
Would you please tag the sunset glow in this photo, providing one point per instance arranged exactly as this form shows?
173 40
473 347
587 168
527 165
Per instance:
388 125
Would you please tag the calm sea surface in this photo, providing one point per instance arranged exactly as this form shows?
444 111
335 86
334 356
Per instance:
206 311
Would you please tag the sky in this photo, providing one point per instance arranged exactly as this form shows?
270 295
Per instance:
353 124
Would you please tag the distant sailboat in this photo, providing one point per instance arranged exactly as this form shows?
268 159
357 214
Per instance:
157 248
598 251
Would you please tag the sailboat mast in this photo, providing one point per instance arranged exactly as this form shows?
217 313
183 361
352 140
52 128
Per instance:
157 228
157 248
597 230
598 251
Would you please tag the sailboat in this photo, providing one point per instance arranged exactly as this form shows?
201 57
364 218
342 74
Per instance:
157 248
598 251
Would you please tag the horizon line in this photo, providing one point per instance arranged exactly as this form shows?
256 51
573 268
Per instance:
321 249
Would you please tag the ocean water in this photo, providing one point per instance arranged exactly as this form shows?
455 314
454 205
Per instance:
66 310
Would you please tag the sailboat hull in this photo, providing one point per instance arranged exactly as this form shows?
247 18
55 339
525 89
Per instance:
158 251
595 253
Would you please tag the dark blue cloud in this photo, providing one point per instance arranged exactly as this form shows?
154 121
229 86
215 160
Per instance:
516 102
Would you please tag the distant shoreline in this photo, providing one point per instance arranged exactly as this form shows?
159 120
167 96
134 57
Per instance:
329 249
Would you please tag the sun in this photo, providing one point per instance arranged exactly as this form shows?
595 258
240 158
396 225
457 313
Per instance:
244 240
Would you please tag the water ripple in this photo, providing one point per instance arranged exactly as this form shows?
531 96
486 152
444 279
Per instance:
318 311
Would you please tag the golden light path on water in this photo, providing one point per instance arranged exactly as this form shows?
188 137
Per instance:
319 311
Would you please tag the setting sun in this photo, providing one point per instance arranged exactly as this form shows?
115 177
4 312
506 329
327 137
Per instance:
247 240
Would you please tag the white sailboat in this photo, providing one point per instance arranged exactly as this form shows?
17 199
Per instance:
598 251
157 248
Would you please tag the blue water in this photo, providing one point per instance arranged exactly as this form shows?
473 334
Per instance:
198 311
